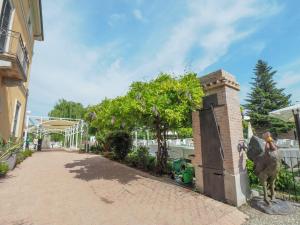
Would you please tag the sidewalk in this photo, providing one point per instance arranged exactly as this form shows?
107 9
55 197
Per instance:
70 188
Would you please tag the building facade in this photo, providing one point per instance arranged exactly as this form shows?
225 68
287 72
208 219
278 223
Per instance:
21 24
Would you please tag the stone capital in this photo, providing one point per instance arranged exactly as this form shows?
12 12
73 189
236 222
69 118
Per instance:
218 79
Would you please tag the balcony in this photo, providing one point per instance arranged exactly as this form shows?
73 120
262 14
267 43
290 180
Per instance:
14 59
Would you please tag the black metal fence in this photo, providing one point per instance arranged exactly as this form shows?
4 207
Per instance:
288 181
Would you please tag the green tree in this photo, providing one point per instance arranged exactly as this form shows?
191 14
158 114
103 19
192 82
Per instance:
160 105
164 104
67 109
110 115
264 98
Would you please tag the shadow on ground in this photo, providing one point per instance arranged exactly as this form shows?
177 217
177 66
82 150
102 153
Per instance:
96 167
6 177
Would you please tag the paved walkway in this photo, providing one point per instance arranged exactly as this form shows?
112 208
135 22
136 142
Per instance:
61 188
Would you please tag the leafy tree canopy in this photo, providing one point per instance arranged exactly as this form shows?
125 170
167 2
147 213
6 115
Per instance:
67 109
160 105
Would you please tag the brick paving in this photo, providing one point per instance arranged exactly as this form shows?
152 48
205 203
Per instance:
61 188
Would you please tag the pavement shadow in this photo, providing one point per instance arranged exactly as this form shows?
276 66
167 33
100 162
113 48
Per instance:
95 168
3 178
21 222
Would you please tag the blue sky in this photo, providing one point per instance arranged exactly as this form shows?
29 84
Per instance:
95 49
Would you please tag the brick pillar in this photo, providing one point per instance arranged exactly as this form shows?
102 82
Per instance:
197 160
229 119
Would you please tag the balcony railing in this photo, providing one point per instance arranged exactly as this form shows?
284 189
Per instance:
12 47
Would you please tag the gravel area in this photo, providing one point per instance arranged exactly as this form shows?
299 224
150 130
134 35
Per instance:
258 218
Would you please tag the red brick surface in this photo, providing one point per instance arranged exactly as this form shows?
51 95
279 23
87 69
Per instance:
69 189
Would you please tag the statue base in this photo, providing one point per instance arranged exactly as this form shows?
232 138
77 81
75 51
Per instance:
276 207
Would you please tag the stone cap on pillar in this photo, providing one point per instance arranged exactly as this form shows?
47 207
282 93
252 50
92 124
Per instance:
219 78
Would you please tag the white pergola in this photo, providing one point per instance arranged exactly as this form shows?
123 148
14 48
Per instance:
289 114
72 129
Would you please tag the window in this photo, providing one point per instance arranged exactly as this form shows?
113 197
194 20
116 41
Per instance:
16 119
4 22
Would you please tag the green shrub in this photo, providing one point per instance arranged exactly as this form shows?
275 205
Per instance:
253 180
120 142
23 155
141 159
151 163
27 153
110 155
2 143
96 149
132 158
3 168
20 158
285 180
169 167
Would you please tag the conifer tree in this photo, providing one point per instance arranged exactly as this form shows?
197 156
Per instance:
265 97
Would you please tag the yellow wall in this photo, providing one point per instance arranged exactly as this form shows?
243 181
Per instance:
9 95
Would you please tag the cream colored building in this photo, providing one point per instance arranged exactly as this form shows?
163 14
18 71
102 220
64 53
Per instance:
21 24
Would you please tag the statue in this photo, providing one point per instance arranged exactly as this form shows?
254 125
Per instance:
266 161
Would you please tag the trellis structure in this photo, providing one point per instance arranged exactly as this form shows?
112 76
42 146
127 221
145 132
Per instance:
73 130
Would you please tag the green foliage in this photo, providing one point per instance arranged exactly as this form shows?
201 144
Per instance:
67 109
245 129
2 143
151 163
22 155
3 168
110 155
27 153
132 158
252 177
169 167
164 104
285 180
141 159
57 137
96 149
9 147
185 132
20 158
160 105
172 99
264 98
120 142
110 115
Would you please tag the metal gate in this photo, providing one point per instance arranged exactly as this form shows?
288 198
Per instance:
212 151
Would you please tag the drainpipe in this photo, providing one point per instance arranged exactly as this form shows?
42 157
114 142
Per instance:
296 114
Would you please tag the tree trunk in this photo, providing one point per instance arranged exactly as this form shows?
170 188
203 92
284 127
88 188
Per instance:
162 153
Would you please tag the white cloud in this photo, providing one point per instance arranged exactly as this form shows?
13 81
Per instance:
65 67
288 77
212 26
258 46
116 18
138 15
